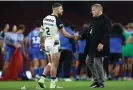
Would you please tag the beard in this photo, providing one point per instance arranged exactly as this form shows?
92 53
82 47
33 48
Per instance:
59 14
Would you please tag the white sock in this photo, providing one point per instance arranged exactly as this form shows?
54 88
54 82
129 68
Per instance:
42 77
28 74
0 74
53 81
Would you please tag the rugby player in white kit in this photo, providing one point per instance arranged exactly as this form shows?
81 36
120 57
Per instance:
53 26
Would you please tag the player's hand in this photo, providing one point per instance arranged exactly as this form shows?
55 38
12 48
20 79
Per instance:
131 39
100 47
25 54
17 45
42 46
72 37
77 38
3 50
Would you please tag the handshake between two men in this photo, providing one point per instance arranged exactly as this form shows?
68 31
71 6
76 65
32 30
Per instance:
77 37
99 47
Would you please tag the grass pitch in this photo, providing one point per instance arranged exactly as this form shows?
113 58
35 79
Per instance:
75 85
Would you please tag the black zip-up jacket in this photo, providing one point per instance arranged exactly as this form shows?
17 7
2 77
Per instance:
98 32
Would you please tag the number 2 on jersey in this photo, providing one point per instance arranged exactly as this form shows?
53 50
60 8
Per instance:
47 31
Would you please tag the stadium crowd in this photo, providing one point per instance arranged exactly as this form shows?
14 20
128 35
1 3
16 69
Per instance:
118 65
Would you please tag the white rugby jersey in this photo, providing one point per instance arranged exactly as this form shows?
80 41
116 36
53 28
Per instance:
52 24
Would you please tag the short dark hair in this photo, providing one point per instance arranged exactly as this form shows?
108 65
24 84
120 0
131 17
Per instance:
38 23
73 27
3 25
55 5
117 28
67 23
21 27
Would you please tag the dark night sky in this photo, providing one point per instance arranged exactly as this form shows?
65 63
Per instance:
75 6
27 12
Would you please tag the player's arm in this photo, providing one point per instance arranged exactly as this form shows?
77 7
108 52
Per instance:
29 39
24 46
3 44
8 41
4 40
123 40
21 43
42 38
83 33
60 26
42 42
11 44
66 34
131 39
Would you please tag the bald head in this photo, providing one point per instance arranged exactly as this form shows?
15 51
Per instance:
97 10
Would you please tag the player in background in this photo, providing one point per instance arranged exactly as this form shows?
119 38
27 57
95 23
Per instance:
13 30
67 46
5 29
117 39
82 70
128 53
13 40
28 52
28 56
53 26
36 54
75 48
20 32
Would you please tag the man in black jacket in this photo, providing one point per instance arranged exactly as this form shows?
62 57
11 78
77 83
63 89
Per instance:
97 44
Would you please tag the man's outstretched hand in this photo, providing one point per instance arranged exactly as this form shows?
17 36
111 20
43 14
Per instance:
100 47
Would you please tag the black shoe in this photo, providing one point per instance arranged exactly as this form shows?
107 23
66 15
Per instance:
109 78
101 85
94 85
41 85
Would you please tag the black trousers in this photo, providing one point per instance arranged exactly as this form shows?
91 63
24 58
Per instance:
65 62
106 64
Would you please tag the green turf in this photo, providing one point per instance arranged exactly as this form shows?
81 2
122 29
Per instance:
75 85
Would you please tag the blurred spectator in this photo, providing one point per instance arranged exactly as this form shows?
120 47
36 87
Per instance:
117 39
128 53
14 28
75 53
3 32
67 52
82 71
14 46
36 55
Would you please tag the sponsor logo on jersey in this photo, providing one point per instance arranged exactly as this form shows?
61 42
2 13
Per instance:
50 20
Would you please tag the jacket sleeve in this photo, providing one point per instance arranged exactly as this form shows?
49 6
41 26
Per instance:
84 33
107 29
